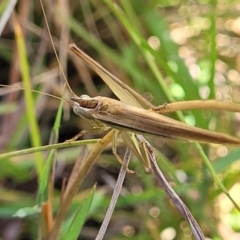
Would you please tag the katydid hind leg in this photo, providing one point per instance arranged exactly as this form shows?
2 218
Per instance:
114 151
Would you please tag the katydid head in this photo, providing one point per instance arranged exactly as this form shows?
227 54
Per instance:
83 106
85 101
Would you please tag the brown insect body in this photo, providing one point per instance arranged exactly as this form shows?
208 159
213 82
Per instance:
126 117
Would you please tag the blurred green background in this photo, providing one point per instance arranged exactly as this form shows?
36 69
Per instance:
197 56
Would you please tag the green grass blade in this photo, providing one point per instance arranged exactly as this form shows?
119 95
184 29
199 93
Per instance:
48 147
79 218
31 116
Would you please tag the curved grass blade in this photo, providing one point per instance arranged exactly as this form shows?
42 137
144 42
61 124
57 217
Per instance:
79 218
33 124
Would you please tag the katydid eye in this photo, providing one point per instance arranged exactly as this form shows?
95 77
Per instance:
75 108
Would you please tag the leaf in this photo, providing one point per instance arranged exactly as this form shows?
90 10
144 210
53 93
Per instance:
79 218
